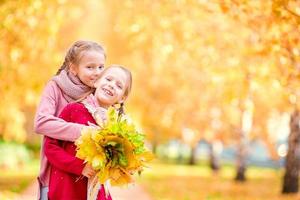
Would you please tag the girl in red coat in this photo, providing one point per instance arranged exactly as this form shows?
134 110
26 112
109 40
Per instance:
69 174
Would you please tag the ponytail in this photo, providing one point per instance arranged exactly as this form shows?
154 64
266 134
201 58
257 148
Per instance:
121 110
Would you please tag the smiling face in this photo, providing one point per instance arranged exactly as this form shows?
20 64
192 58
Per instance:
111 87
89 67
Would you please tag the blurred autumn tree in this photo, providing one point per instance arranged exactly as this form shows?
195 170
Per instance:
191 59
30 46
238 57
275 27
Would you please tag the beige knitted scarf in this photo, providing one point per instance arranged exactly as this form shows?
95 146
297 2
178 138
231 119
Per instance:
71 85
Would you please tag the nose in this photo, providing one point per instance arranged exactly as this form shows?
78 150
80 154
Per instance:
98 71
111 85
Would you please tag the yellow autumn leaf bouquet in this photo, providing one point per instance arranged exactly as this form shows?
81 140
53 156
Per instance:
116 150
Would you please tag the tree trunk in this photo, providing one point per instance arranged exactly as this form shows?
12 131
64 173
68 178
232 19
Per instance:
241 158
290 180
246 126
240 175
213 159
193 156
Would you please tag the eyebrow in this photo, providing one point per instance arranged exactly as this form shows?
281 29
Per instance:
92 63
118 81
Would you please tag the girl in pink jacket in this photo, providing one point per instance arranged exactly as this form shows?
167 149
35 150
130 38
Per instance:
82 66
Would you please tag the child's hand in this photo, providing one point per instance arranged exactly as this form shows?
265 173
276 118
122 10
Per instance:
95 126
88 171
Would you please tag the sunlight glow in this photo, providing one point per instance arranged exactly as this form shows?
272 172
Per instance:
282 150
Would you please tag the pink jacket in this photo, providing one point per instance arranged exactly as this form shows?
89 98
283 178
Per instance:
48 124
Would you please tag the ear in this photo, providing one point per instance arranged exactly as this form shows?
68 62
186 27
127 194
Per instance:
122 100
73 69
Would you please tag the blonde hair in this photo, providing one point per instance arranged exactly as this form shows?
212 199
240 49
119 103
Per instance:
74 53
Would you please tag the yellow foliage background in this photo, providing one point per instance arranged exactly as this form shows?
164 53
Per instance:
196 64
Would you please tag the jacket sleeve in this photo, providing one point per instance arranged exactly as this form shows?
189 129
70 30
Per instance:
47 124
62 160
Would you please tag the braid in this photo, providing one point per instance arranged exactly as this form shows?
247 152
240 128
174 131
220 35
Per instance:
121 110
62 67
69 56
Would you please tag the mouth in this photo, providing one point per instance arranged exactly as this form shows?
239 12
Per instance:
108 92
93 80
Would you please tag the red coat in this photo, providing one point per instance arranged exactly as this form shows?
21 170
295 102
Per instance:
66 180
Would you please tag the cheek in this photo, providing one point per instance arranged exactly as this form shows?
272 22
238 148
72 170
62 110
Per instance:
99 96
86 71
121 94
81 73
98 92
99 83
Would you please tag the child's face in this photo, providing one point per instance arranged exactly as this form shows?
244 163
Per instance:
89 67
111 86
